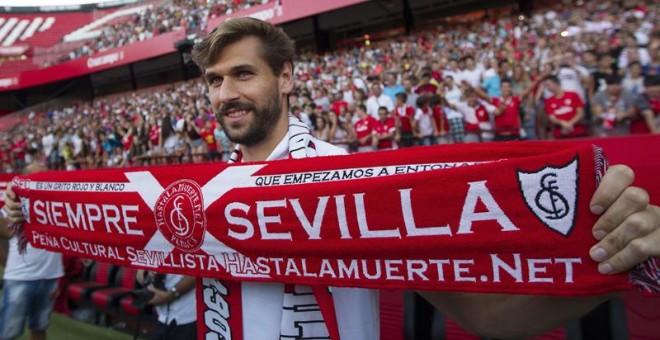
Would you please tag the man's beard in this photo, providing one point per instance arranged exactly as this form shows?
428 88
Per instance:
264 119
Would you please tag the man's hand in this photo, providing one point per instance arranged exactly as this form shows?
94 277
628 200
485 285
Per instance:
13 207
628 228
160 296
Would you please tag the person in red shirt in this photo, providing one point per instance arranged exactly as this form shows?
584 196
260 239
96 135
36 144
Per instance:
384 130
507 109
404 114
565 110
18 152
364 129
208 137
440 120
647 108
339 106
507 113
425 85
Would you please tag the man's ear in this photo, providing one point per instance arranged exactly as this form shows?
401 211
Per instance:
286 78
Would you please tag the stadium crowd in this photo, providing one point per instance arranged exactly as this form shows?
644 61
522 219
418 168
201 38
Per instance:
191 16
567 71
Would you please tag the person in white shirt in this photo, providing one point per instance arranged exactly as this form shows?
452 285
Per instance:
175 303
378 99
472 73
572 77
30 284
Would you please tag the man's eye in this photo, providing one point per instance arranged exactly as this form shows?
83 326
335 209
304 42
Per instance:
244 74
215 81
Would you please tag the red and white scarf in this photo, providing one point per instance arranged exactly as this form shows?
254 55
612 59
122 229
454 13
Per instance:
487 218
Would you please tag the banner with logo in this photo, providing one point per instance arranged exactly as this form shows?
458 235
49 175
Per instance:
500 218
150 48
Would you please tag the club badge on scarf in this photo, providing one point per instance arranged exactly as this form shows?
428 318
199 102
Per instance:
499 218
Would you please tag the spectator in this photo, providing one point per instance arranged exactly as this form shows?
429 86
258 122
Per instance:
646 109
634 81
424 124
175 305
385 131
340 131
378 99
611 107
392 87
30 284
565 110
364 130
404 114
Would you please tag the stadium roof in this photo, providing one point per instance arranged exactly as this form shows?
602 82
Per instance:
36 3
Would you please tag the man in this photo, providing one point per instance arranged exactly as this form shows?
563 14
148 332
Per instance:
175 306
471 74
392 87
476 117
404 113
611 107
507 110
565 111
646 109
248 65
410 94
378 99
384 130
30 284
572 77
424 122
364 129
425 86
208 136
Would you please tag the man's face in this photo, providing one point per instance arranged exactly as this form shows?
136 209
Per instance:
376 90
245 94
551 86
382 114
613 89
391 80
407 85
506 89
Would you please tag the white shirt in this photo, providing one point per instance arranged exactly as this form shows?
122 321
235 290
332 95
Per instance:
453 95
182 310
472 77
374 103
35 264
425 122
356 309
570 80
48 143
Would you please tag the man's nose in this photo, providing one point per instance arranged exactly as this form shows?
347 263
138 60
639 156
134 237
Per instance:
227 92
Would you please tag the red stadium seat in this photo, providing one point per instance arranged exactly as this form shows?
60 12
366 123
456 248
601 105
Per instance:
102 276
127 305
107 298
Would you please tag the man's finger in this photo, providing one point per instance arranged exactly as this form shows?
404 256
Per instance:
637 251
632 200
616 180
10 193
629 244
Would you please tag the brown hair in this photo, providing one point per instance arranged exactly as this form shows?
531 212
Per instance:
277 48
